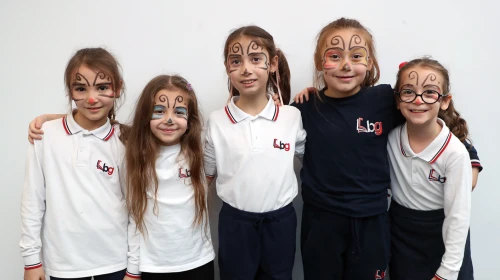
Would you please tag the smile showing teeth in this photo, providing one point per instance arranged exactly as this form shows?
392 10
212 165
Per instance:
247 82
418 111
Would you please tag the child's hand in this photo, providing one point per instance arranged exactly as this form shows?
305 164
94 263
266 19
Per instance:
434 278
34 131
34 274
276 99
299 98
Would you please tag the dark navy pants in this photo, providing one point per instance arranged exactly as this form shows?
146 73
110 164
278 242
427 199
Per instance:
256 245
417 245
204 272
119 275
335 246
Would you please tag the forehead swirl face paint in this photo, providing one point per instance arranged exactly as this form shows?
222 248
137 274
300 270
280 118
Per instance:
160 111
254 57
102 84
336 53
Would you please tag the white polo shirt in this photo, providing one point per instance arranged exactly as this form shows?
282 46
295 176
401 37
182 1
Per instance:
253 156
172 242
438 177
73 204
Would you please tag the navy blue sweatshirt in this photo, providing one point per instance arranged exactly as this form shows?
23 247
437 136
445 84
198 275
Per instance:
345 167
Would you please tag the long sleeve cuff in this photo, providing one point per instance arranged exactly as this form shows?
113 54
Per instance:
32 262
446 274
133 271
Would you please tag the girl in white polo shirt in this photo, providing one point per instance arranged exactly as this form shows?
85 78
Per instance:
166 183
430 178
250 147
73 212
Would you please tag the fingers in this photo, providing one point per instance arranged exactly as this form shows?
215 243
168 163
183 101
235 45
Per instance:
39 121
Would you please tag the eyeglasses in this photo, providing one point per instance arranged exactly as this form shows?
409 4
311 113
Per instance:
429 96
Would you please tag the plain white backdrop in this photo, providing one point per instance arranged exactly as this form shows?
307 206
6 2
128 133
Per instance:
37 38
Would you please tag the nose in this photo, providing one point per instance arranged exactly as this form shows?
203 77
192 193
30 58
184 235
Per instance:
346 66
418 100
92 101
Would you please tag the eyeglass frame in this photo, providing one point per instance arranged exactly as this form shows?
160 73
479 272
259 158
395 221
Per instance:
421 95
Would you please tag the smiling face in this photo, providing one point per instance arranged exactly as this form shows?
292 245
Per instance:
427 82
92 91
170 116
248 66
346 60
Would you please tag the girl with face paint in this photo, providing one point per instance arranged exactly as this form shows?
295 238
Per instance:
166 183
345 174
250 147
73 206
430 179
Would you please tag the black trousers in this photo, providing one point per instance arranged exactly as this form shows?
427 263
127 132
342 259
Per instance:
335 246
119 275
204 272
257 245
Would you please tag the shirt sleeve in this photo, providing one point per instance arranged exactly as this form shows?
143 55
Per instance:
209 153
300 141
134 241
474 158
133 234
32 207
457 208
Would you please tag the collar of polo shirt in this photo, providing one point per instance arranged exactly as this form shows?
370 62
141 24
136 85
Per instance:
236 115
432 152
71 127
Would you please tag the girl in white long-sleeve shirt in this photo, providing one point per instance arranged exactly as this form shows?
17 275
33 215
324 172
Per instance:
166 184
431 177
73 210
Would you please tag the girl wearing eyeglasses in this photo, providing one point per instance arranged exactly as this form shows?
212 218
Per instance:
430 177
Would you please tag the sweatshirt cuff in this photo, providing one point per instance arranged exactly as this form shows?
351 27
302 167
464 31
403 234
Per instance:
133 271
446 274
32 262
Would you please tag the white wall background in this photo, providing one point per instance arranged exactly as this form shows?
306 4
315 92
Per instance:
153 37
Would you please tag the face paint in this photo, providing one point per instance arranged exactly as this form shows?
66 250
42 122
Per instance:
413 76
356 54
331 59
181 112
158 112
169 121
431 78
92 101
359 55
255 57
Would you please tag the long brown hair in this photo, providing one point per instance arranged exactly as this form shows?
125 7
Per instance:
100 60
142 151
450 116
340 24
265 40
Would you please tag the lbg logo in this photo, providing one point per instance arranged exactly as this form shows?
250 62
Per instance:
434 176
281 145
104 168
370 127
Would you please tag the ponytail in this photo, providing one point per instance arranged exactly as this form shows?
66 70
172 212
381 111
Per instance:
281 79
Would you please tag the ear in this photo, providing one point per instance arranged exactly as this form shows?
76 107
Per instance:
445 102
274 64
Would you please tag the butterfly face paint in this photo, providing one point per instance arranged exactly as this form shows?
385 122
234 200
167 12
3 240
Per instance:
93 99
345 62
248 65
169 120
